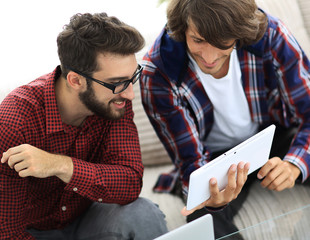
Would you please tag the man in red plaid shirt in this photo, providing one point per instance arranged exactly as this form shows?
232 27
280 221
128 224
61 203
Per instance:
71 162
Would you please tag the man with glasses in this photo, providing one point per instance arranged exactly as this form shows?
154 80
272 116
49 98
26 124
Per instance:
71 162
116 87
219 72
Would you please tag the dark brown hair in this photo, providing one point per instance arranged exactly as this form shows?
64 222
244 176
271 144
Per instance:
87 35
217 21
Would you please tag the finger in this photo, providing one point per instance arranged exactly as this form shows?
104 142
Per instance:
216 197
273 175
10 152
246 169
271 164
269 179
14 159
186 212
4 157
214 190
24 173
20 166
284 184
241 171
241 176
282 181
246 172
232 177
231 185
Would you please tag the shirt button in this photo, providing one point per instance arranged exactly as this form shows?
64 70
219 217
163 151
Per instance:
81 133
63 208
75 189
100 200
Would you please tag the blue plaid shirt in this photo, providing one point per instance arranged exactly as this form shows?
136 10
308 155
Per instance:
276 82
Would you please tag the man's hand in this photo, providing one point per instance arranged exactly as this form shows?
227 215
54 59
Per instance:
220 198
278 175
28 160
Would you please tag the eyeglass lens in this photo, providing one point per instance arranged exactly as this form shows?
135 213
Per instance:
122 87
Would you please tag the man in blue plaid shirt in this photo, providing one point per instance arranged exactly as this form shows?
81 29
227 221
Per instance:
219 72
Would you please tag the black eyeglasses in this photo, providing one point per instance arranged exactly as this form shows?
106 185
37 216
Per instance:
115 87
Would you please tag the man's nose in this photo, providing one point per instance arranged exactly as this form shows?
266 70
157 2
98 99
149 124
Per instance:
128 93
209 53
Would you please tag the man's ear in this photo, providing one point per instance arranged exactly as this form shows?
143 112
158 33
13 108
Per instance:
75 80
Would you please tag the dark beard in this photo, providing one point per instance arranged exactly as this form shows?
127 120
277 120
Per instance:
88 98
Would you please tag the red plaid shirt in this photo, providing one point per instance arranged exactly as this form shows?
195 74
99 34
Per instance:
106 157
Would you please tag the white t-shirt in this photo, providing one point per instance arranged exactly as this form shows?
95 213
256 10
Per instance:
232 119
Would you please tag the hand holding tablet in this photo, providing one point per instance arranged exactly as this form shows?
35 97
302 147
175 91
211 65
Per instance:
254 150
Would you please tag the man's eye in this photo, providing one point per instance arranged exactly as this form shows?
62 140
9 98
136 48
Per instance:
118 82
197 40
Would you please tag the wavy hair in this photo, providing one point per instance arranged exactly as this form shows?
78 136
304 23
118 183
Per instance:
87 35
217 21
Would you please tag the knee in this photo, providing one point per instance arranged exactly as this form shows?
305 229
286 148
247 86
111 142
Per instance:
145 209
146 215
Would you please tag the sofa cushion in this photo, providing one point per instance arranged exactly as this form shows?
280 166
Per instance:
304 6
152 150
290 13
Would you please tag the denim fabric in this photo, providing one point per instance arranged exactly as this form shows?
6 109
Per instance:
139 220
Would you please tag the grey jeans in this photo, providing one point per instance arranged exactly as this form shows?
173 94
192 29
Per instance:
139 220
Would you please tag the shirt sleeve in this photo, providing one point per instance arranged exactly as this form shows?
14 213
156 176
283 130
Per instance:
173 122
13 195
117 177
293 73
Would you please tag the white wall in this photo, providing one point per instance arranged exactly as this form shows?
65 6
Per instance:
29 29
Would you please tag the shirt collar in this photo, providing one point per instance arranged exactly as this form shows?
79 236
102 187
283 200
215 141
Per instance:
53 119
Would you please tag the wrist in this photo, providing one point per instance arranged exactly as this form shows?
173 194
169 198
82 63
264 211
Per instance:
65 168
296 173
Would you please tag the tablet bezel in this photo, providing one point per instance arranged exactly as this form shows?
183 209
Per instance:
254 150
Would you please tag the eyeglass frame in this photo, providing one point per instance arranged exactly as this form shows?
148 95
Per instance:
111 86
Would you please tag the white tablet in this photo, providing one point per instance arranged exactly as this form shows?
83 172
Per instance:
254 150
199 229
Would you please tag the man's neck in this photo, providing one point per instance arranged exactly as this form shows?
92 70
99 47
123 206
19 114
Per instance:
69 104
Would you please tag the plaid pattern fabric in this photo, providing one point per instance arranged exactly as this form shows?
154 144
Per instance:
276 82
106 157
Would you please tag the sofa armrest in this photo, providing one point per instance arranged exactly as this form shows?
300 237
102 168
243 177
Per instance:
304 6
293 13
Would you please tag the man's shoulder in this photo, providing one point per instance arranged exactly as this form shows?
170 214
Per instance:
275 32
25 101
166 55
28 94
263 45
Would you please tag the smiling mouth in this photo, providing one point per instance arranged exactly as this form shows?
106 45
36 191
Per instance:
209 65
119 103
